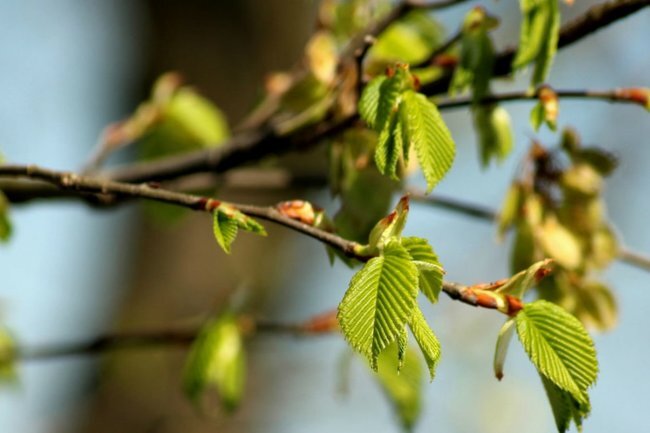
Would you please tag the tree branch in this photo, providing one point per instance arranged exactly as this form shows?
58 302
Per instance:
623 95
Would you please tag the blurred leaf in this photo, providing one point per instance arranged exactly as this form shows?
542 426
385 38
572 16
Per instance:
427 340
604 247
379 302
583 179
431 274
477 54
322 56
5 223
402 389
217 360
411 39
509 209
501 350
539 37
559 347
559 243
425 130
537 116
596 306
494 131
7 357
524 251
601 160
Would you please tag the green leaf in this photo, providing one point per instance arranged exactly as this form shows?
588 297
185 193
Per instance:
390 147
225 230
7 357
501 350
559 347
426 260
226 222
494 132
5 223
426 339
411 39
539 36
217 360
369 101
565 408
425 130
404 388
537 116
379 302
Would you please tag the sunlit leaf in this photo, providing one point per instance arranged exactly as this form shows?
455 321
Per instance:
425 130
565 408
559 347
226 222
379 302
559 243
430 270
426 339
390 226
509 209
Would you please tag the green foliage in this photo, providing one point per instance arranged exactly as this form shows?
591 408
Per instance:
563 353
379 302
404 388
565 407
226 222
7 357
540 30
217 360
381 298
494 130
426 339
477 55
430 269
557 211
501 350
411 40
5 223
546 110
405 119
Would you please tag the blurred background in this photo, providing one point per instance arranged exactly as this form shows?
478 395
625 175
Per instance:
71 273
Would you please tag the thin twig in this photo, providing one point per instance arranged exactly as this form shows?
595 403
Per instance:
623 95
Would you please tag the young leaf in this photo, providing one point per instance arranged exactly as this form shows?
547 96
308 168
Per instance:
501 350
494 132
559 243
227 221
369 101
7 357
431 272
379 302
217 359
390 226
565 408
390 147
520 283
539 36
426 339
403 388
425 130
509 209
225 230
559 347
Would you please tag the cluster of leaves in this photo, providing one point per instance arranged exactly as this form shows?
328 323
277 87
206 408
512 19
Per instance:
405 120
557 211
226 223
